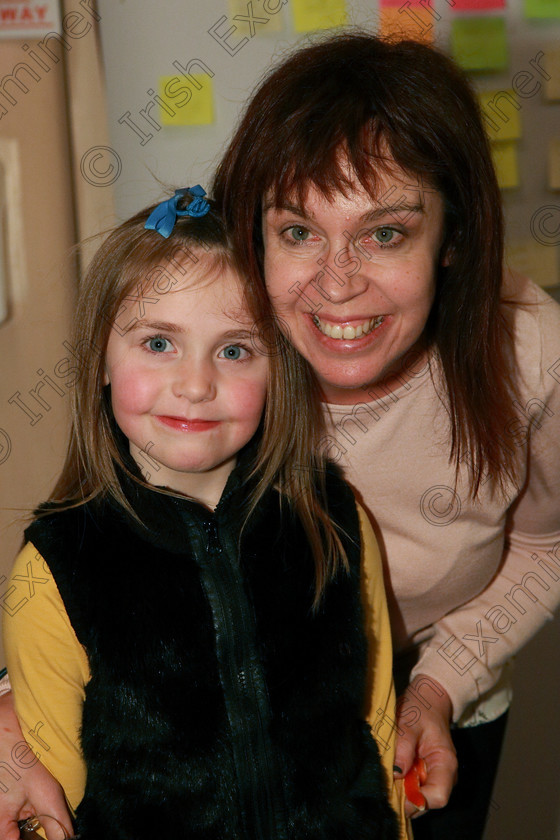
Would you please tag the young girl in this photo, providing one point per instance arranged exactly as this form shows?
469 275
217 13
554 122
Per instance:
190 659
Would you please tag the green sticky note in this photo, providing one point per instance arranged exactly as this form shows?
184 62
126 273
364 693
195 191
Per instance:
542 8
310 15
501 114
480 43
186 100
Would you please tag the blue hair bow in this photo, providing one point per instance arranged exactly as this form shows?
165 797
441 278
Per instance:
163 218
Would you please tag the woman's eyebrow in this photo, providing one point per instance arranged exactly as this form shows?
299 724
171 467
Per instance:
288 208
398 211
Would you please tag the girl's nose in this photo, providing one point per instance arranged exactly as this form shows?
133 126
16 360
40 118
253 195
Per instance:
194 382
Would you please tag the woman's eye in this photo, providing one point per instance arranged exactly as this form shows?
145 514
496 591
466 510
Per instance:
159 345
299 234
233 352
384 235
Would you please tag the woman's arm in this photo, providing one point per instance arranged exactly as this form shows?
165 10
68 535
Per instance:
27 788
471 644
48 670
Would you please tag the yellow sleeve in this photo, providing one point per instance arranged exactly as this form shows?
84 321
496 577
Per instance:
381 701
48 671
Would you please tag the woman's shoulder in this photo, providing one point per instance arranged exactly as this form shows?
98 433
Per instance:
534 319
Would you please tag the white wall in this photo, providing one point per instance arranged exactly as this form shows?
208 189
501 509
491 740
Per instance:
141 40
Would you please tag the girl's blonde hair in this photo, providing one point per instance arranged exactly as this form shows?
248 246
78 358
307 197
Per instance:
135 263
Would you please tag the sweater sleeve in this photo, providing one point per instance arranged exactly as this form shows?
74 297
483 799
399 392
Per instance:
471 644
381 703
48 671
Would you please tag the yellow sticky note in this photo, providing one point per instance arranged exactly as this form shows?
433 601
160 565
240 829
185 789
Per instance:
554 164
252 19
318 14
186 100
501 114
480 43
534 259
504 156
552 68
407 22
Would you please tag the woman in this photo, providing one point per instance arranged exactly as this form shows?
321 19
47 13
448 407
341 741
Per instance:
359 185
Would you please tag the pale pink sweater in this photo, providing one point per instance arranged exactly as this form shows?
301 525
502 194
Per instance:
468 582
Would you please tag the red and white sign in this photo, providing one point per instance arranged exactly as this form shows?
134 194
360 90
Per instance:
27 19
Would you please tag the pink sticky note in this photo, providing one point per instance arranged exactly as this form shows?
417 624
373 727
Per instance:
388 4
476 5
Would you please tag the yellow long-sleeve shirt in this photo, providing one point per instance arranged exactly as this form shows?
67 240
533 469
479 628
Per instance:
49 669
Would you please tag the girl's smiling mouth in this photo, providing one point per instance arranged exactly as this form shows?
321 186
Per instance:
185 425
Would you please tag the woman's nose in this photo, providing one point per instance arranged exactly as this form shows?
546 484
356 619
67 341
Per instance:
194 381
339 284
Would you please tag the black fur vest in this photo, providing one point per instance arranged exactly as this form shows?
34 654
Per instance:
220 707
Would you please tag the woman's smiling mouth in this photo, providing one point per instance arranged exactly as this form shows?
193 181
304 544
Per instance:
347 332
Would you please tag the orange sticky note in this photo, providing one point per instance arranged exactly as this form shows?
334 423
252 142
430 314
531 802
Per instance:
407 21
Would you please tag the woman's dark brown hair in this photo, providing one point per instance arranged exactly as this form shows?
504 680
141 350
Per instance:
359 99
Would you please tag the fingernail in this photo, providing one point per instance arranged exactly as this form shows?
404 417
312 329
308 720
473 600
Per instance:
396 769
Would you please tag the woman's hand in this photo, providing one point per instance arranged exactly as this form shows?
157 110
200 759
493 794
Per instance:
423 716
26 787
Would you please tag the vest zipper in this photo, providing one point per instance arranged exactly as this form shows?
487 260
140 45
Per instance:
244 689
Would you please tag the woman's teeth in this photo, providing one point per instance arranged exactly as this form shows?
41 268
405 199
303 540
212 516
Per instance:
337 331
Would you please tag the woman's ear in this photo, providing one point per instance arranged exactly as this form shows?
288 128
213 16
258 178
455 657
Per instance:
106 380
447 253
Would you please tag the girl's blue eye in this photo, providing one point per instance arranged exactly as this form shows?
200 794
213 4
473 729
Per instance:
300 234
384 235
233 352
159 345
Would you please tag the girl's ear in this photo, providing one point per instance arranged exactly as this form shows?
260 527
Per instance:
106 380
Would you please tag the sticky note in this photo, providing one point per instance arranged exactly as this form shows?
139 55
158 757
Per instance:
554 164
534 259
552 68
477 5
480 43
501 114
399 3
186 100
504 156
318 14
541 9
252 19
407 22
